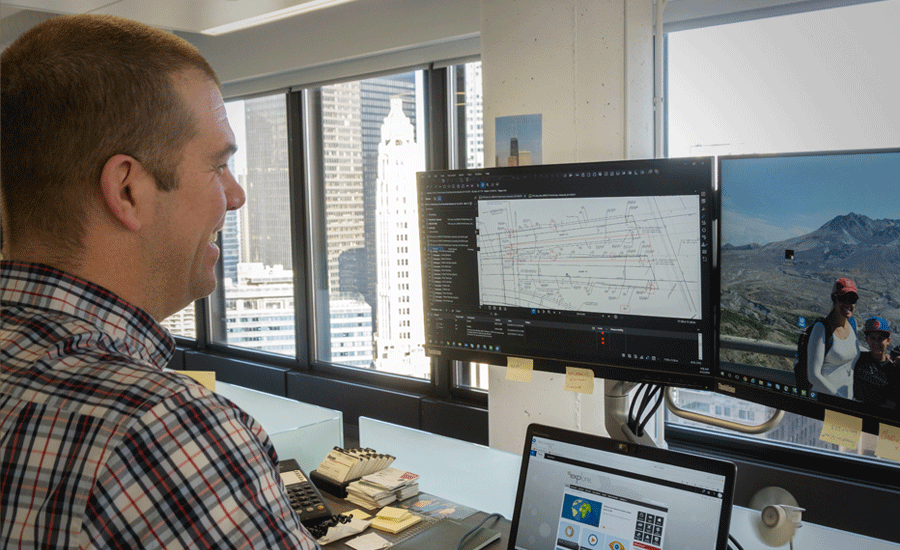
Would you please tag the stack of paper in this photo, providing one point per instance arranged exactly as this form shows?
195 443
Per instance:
369 496
394 520
383 487
342 465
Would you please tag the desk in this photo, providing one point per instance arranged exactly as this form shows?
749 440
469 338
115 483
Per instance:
470 474
487 479
339 506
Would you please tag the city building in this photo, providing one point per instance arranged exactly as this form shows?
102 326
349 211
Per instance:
400 333
268 222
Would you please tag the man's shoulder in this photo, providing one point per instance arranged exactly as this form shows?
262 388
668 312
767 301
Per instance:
66 363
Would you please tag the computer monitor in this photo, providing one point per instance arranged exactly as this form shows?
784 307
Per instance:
603 265
792 226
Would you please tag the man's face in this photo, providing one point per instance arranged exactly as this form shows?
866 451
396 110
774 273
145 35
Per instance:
190 216
878 342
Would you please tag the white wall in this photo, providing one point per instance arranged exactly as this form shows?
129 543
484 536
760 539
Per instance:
586 66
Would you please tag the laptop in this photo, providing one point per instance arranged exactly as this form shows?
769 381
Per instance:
580 491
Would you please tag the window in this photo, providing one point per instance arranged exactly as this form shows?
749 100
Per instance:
182 323
467 129
372 145
256 239
342 199
469 115
803 82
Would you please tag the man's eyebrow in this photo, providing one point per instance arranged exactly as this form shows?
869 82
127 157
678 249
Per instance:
225 152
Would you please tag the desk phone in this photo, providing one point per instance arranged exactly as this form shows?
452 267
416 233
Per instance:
305 498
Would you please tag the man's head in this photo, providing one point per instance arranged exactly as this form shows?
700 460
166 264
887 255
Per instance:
878 335
115 146
77 90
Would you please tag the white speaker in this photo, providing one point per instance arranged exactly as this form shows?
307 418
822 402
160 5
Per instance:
779 515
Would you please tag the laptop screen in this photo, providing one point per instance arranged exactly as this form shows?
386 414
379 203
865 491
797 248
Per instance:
580 491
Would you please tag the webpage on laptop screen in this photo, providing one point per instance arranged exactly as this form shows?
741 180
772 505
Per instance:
585 499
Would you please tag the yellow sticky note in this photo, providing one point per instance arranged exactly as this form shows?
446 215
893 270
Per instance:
579 380
206 378
519 369
356 513
888 445
841 429
389 512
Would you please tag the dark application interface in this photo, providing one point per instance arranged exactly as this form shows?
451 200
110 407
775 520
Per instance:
570 265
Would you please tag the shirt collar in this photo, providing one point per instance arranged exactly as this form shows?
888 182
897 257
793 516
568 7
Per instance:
39 286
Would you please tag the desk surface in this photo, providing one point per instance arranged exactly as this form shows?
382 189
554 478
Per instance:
339 506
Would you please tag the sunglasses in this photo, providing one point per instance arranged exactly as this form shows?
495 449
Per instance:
877 336
848 298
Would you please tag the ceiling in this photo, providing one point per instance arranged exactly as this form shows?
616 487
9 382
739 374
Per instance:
196 16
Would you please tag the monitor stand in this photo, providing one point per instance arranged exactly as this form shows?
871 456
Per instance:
615 406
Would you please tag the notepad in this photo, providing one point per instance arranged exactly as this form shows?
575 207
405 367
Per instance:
447 533
394 520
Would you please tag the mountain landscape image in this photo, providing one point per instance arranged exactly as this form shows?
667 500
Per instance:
768 287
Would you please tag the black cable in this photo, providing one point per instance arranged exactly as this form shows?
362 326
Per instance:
643 394
649 391
657 391
631 423
636 424
465 537
735 542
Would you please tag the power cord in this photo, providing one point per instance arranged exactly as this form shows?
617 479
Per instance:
734 543
645 393
472 531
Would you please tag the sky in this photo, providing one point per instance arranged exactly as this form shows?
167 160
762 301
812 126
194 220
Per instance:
235 113
772 198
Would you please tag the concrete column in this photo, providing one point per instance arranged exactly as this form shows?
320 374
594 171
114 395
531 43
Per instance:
586 66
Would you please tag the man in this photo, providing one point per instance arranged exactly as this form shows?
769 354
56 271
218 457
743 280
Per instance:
114 185
875 378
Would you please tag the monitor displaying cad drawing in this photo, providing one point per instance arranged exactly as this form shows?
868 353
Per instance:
604 265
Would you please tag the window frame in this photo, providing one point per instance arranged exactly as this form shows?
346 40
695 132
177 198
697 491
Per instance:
304 137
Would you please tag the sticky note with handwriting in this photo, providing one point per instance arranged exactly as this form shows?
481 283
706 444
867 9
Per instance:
888 445
206 378
519 369
579 380
841 429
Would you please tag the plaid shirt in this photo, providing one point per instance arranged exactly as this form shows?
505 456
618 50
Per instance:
100 448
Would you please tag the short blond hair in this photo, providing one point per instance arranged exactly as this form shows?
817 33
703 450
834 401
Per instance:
77 90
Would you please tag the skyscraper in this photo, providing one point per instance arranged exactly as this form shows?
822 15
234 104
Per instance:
375 104
268 228
400 326
341 144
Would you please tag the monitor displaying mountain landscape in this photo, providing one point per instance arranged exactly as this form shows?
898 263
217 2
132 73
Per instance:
793 224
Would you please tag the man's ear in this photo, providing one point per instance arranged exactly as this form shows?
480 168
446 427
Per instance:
127 190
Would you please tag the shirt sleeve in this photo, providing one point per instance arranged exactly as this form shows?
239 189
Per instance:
815 357
193 472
